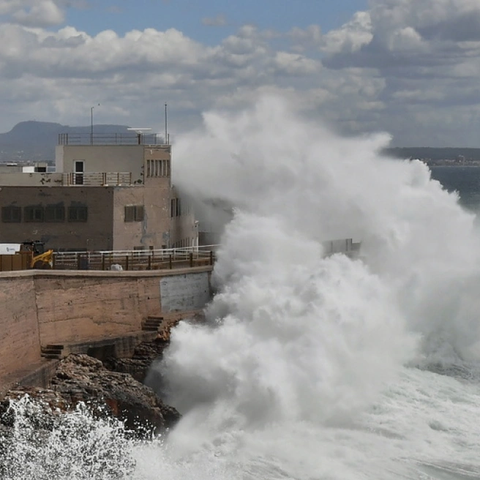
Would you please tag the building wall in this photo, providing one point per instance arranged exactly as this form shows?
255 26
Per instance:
102 158
183 227
106 228
30 179
127 235
94 234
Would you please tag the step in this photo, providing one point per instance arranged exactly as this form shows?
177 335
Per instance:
51 351
51 356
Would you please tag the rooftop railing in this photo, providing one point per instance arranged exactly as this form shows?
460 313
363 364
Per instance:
165 259
110 139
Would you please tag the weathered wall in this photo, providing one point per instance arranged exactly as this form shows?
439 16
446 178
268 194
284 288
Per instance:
36 179
102 158
94 234
186 292
76 308
38 308
19 333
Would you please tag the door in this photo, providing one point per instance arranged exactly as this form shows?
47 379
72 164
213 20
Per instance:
79 169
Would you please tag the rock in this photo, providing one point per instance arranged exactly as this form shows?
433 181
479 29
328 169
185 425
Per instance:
80 378
142 358
84 379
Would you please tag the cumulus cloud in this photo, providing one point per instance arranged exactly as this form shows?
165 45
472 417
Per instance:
393 66
36 13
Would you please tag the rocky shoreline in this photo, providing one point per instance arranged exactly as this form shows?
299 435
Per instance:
113 388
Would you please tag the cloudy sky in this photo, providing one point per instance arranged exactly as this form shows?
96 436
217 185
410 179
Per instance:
409 67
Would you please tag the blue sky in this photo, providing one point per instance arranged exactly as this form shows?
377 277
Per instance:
407 67
187 15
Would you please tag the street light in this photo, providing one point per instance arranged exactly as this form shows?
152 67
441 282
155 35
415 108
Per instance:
91 124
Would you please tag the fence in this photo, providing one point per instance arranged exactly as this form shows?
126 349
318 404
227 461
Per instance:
110 139
97 178
135 259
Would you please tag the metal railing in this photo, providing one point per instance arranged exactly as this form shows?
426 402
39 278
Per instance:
96 179
165 259
109 139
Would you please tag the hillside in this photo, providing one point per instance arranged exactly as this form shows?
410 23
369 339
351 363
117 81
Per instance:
36 141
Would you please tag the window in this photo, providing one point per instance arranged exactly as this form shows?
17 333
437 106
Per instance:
77 213
134 213
175 207
34 213
158 168
54 213
11 214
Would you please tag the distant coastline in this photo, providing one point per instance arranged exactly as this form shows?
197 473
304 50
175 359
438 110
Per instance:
436 157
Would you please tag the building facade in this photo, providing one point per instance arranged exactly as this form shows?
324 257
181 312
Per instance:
113 193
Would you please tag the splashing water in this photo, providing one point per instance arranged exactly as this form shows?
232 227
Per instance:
314 367
301 347
63 445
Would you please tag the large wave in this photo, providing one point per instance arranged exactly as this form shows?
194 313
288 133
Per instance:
295 335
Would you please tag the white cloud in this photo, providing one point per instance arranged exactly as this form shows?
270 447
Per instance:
38 13
391 67
351 36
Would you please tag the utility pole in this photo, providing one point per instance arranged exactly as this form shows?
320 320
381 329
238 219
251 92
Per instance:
166 126
91 124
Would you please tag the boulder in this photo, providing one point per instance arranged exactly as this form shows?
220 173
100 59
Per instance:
80 378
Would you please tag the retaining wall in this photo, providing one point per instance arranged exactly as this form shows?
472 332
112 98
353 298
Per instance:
41 307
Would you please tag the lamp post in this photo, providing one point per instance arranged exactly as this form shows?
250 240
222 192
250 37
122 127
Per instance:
91 124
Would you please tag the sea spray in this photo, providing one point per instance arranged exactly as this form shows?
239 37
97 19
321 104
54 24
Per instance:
299 345
44 444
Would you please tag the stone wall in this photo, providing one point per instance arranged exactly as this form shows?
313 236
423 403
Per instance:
19 332
38 308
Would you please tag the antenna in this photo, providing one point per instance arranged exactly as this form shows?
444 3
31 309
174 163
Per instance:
166 124
139 131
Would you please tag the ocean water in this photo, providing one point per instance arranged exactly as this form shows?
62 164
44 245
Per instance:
462 179
309 368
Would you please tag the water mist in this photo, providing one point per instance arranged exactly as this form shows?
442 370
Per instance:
295 337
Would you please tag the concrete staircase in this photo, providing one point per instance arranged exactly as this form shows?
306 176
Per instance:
53 352
152 323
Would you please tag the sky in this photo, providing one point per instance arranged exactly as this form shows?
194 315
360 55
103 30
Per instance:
407 67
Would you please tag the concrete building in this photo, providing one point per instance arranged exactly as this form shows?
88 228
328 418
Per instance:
108 193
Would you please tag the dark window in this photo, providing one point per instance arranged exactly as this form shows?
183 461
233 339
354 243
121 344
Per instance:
134 213
55 213
77 213
11 214
34 213
139 213
175 207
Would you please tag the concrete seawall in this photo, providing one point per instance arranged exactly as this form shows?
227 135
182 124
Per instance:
39 308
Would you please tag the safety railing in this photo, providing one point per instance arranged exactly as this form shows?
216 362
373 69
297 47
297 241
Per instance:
110 139
165 259
95 179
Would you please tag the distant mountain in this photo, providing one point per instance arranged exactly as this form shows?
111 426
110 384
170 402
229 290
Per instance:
36 141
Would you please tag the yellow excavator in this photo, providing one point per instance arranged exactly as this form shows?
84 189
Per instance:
41 259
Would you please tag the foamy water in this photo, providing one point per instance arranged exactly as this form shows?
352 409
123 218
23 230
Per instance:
314 367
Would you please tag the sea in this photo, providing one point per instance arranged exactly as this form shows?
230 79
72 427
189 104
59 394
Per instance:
309 367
